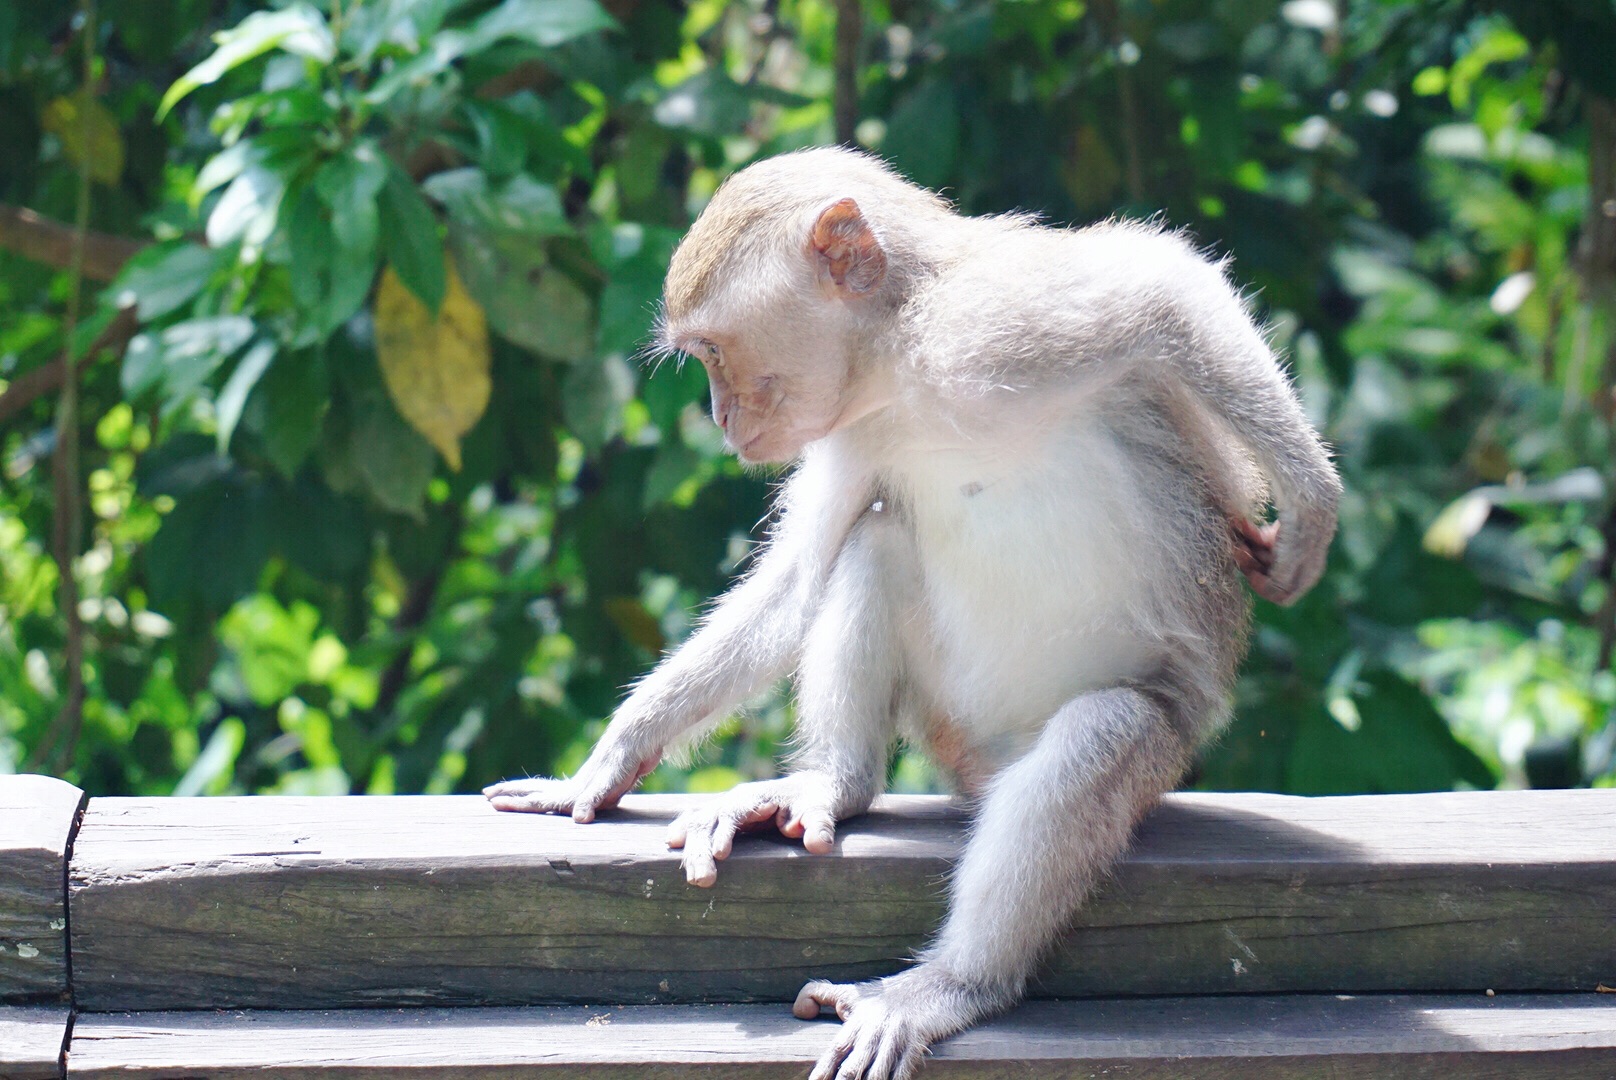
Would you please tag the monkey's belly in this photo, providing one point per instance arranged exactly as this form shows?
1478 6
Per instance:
1036 587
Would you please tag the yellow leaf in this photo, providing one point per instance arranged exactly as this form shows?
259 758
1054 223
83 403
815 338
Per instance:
87 130
436 369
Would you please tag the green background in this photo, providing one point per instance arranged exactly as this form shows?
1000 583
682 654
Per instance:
283 587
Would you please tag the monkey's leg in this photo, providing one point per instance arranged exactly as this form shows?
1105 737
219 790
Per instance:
1050 825
846 683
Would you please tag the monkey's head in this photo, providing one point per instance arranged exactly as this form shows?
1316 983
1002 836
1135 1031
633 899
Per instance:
782 288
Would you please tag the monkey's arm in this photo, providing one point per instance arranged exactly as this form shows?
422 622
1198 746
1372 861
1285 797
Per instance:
845 717
748 641
1222 358
1170 308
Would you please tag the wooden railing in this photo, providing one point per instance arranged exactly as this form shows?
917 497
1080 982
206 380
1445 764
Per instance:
1243 936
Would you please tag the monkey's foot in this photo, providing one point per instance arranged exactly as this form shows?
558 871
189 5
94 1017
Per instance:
889 1024
803 804
605 778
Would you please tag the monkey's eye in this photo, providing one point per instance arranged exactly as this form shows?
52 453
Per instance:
708 351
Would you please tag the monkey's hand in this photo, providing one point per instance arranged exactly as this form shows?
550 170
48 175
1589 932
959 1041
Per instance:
1277 560
888 1024
612 770
804 804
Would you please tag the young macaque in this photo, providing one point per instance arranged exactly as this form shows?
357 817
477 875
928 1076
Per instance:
1032 465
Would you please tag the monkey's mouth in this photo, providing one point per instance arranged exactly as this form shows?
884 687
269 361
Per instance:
744 450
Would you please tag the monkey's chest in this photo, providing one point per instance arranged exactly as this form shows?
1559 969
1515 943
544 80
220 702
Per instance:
1032 582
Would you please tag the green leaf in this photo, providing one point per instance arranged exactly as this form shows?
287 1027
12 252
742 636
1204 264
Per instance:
923 134
165 277
519 205
628 306
321 531
248 209
233 397
543 22
675 463
333 257
223 526
298 29
395 462
404 24
225 166
546 23
711 103
287 407
213 768
592 399
1401 744
349 184
501 136
527 302
669 388
179 359
270 645
410 238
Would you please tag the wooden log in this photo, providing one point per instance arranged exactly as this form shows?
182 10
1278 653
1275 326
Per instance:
31 1041
37 814
316 903
1553 1037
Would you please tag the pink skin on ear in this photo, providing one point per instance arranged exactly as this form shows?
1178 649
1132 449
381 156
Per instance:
849 254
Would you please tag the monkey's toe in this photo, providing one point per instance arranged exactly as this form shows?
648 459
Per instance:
839 997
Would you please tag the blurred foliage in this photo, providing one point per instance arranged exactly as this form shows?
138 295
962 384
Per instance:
377 497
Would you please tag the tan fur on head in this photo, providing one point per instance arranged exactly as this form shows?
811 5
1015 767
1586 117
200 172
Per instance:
753 210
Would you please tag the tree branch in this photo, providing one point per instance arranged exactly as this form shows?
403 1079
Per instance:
67 515
849 33
50 242
30 386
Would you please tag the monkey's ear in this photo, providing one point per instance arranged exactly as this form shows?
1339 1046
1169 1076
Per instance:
846 249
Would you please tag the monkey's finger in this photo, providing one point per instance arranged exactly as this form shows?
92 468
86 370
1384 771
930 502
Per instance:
677 829
819 832
732 821
1268 587
532 795
512 787
832 1058
546 797
1250 551
888 1055
602 788
789 821
700 869
1247 562
856 1065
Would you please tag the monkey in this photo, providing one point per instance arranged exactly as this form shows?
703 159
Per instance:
1031 466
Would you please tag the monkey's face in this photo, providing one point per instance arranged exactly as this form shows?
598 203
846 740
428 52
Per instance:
779 381
778 309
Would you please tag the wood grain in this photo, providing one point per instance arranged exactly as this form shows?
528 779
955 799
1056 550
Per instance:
31 1040
314 903
1562 1037
36 825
